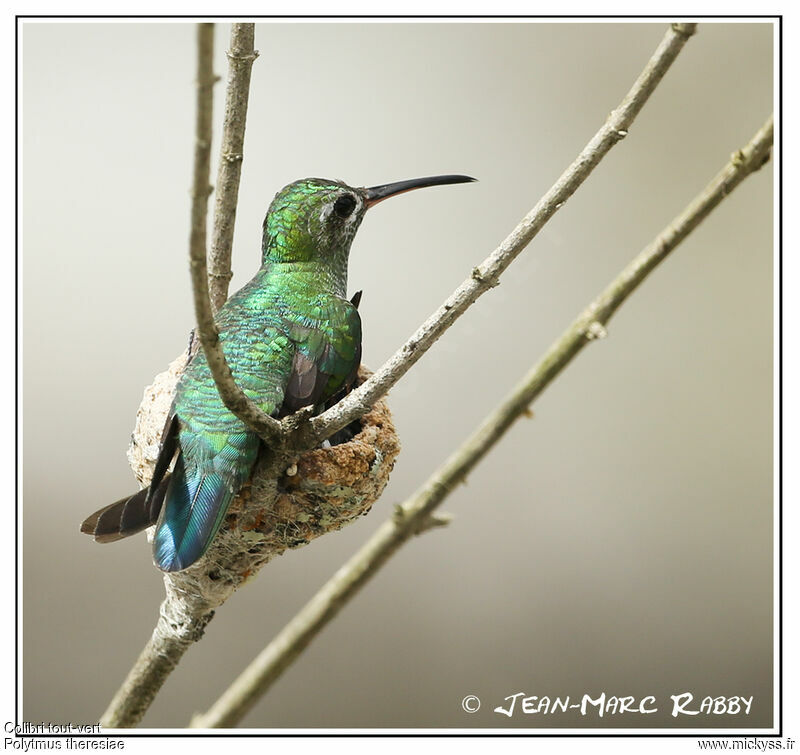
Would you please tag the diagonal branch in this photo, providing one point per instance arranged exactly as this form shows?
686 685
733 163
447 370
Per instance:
418 513
483 277
487 274
295 433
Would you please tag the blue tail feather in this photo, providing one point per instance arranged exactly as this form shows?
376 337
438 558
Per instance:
196 502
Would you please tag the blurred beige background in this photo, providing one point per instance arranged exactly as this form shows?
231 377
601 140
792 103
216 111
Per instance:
620 542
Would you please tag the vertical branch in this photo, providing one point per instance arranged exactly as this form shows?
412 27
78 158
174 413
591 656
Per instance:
173 635
201 188
231 394
240 62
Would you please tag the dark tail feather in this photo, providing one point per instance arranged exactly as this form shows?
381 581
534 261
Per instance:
130 515
126 516
169 445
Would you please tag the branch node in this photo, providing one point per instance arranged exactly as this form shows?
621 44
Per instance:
232 157
293 422
433 521
490 280
242 58
595 331
615 133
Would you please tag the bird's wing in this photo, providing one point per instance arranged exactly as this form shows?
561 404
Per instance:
327 352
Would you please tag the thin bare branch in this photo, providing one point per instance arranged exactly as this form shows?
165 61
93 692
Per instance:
232 396
294 434
169 641
240 63
175 632
487 274
415 515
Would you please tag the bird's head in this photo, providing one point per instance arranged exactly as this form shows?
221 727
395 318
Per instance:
315 219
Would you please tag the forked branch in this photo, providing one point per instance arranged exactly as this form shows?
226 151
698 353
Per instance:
418 513
482 278
158 659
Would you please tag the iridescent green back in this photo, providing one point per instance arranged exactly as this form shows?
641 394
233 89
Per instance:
290 338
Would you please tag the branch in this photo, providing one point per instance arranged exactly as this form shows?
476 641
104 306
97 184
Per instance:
487 274
175 632
171 638
417 513
192 593
240 62
232 396
483 277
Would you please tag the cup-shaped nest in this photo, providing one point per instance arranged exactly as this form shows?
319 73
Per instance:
324 490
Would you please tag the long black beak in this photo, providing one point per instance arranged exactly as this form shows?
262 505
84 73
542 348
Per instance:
377 194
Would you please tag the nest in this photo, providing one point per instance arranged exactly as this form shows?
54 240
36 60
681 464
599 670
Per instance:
324 490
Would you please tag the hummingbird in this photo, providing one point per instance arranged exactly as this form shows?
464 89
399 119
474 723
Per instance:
291 338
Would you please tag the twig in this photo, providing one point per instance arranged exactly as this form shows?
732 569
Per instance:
240 63
487 274
232 396
170 639
294 433
174 634
482 278
415 515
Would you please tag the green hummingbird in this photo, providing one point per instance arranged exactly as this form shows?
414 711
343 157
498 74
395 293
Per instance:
291 338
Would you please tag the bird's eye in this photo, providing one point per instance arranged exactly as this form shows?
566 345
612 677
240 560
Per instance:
344 205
